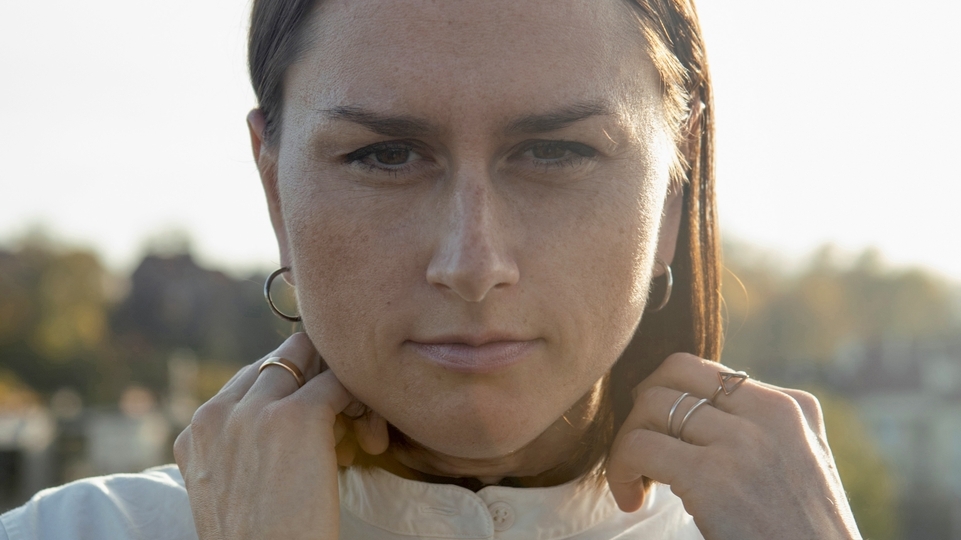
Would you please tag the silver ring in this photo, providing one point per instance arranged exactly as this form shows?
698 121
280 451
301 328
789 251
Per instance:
724 378
680 428
670 415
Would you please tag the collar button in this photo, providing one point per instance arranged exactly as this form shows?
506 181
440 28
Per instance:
502 514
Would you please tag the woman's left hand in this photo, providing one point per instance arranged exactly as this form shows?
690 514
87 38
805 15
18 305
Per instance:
752 464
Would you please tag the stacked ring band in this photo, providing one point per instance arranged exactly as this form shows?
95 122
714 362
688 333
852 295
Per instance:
680 429
670 415
286 364
728 383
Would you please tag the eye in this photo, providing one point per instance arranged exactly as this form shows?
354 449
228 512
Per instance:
548 151
392 157
558 153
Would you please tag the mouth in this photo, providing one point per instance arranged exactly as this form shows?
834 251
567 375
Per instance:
474 356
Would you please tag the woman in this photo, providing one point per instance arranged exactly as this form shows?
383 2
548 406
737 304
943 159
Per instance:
475 201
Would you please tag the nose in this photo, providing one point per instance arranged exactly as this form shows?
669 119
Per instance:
472 256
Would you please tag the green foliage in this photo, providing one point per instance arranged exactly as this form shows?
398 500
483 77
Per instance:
63 325
787 327
864 474
53 320
774 317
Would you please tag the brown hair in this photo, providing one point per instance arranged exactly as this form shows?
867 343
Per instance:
691 322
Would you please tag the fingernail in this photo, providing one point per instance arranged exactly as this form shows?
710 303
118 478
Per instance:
355 410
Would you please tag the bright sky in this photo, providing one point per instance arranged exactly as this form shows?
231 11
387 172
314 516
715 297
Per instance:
838 121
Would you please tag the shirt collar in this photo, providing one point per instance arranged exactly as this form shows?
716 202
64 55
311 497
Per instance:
420 509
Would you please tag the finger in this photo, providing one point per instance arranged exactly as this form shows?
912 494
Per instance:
340 429
275 382
641 453
807 402
324 393
238 386
182 450
371 432
702 426
689 373
346 450
240 373
811 410
355 410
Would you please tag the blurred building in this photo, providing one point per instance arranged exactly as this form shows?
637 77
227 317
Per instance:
908 394
27 453
47 446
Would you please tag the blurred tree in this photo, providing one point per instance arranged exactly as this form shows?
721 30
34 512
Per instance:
869 486
789 328
53 321
173 303
14 395
775 318
62 325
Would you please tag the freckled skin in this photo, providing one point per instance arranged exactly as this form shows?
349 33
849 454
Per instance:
475 235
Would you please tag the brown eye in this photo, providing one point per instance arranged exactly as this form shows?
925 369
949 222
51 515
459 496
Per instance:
548 151
392 156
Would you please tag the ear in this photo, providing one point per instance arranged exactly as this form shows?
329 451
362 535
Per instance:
674 203
266 159
670 227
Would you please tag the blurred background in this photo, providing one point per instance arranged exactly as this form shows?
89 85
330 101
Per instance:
134 239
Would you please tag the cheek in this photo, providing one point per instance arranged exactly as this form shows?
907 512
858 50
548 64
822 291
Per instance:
583 256
350 271
605 282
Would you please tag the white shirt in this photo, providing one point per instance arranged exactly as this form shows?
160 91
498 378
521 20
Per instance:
375 505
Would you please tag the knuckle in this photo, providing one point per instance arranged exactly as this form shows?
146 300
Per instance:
809 404
208 415
647 398
301 344
783 404
283 413
624 454
680 359
651 401
182 446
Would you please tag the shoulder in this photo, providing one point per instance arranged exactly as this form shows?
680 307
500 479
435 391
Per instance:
147 505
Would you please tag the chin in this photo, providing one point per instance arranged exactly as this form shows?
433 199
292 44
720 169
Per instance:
471 436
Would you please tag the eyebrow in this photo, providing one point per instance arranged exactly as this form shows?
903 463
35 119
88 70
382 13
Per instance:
560 118
409 126
386 125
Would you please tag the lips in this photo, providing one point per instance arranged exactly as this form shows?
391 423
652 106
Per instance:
484 356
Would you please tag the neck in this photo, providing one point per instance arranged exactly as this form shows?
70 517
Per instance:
545 461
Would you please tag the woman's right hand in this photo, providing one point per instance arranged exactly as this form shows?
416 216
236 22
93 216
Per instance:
259 459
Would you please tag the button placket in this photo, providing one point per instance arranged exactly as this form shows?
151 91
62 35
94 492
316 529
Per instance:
502 515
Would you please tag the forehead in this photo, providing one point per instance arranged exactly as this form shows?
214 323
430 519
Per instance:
448 59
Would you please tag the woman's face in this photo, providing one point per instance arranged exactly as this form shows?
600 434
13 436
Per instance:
469 194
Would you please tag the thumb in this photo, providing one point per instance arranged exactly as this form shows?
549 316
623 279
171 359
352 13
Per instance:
371 432
623 477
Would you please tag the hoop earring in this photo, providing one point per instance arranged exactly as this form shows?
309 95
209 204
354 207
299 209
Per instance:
270 280
669 276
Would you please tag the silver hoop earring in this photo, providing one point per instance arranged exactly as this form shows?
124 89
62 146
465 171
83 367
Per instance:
270 280
669 277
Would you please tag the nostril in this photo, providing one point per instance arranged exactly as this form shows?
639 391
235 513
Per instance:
472 256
